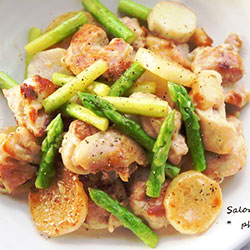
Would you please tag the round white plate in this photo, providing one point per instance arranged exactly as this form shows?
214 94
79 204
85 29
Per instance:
17 231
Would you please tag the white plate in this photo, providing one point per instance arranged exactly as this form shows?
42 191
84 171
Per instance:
219 17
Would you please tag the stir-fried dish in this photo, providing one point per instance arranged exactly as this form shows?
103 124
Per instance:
124 122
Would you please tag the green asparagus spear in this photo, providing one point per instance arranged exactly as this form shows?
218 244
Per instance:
6 82
57 34
50 146
96 88
127 79
144 87
34 33
79 112
79 83
161 149
134 9
171 171
127 126
128 219
109 20
194 140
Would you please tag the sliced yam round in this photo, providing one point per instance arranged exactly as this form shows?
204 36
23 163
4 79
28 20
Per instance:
164 68
61 208
173 21
47 62
192 202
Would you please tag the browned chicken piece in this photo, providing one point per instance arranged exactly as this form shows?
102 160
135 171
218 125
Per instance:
207 91
233 42
227 62
89 44
152 126
107 152
237 95
25 101
18 150
140 31
85 151
218 133
22 146
62 208
200 38
167 49
99 218
78 131
220 166
150 209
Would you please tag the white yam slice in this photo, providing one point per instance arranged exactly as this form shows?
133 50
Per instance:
164 68
45 63
61 208
192 202
173 21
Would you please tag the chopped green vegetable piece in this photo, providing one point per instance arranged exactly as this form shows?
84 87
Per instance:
34 33
134 9
127 79
96 88
144 87
79 83
139 106
128 219
194 139
171 171
57 34
6 82
127 126
109 20
50 147
160 150
79 112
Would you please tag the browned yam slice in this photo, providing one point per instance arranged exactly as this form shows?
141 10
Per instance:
192 202
61 208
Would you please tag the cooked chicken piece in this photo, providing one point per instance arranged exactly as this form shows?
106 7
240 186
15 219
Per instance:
220 166
18 148
45 63
228 63
89 44
109 151
232 42
152 126
237 95
140 31
61 208
15 173
99 218
200 38
150 209
207 91
22 146
218 134
167 49
25 101
78 131
62 18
